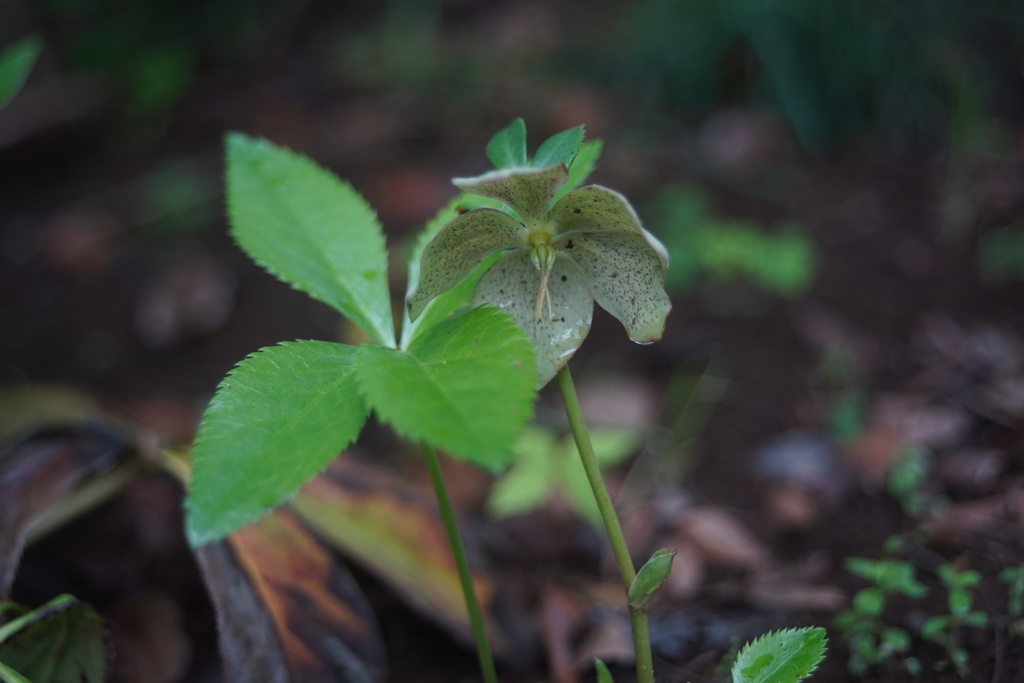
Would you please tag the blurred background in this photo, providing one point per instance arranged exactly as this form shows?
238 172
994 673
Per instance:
840 186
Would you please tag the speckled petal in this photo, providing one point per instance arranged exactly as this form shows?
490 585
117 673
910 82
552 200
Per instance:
512 284
594 209
458 248
527 190
626 276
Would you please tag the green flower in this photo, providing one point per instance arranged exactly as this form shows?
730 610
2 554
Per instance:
560 256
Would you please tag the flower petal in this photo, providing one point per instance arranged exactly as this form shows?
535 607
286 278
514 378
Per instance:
513 284
527 190
594 208
626 275
458 248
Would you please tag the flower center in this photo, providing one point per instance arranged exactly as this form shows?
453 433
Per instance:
543 257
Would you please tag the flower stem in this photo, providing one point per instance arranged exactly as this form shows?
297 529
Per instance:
476 617
637 615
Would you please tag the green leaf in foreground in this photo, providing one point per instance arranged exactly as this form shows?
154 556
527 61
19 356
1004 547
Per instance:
280 416
507 149
311 230
63 640
16 64
784 656
466 385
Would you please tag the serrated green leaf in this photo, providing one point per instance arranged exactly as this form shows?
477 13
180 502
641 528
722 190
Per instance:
16 64
311 230
61 641
280 416
507 149
603 674
781 657
466 385
559 148
582 166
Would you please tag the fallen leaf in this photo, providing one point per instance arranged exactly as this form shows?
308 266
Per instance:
287 611
152 646
610 640
779 591
393 530
43 468
561 616
723 540
955 524
792 506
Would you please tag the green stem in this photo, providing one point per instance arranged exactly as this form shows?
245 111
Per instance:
476 617
637 616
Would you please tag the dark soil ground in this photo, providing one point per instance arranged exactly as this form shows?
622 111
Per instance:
771 426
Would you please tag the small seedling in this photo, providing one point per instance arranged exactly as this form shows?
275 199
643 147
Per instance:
64 640
705 245
907 479
1013 577
944 629
871 641
786 656
546 466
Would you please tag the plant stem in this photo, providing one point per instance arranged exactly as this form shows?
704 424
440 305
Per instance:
637 616
476 617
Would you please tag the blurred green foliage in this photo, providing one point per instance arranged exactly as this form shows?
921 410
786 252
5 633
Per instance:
835 70
546 465
16 62
705 245
149 51
1001 253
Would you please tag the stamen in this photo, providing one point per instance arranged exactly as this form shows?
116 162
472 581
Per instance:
543 257
544 294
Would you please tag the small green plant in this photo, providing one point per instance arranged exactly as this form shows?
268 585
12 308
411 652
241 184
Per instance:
546 465
907 478
501 290
1013 577
522 262
63 640
871 640
785 656
944 629
705 245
